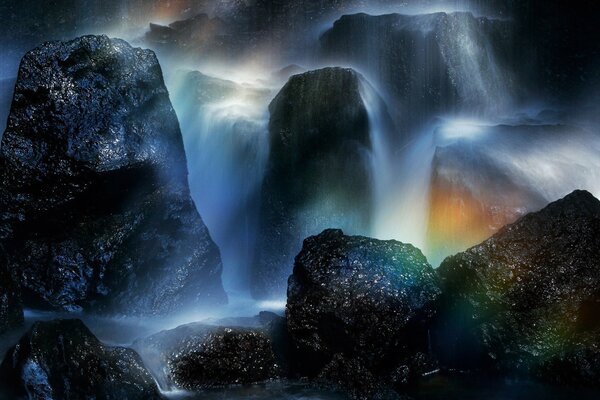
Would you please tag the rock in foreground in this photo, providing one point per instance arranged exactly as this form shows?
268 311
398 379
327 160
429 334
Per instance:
526 301
62 359
198 356
93 185
318 172
355 301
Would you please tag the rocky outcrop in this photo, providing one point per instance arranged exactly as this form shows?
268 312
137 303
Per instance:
356 303
62 359
419 60
318 173
11 306
525 302
199 356
94 193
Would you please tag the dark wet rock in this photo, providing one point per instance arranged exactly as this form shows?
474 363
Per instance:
351 377
62 359
361 301
226 356
96 205
418 61
526 301
318 173
197 356
11 306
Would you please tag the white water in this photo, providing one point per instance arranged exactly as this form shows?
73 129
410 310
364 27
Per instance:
226 141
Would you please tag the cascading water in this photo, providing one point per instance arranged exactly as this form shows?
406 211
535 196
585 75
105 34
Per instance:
224 125
381 130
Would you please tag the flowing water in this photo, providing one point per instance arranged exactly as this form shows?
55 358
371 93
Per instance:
481 132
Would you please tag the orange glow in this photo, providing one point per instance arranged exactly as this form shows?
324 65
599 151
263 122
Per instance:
459 220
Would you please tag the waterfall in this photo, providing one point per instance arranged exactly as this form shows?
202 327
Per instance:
380 131
225 130
404 211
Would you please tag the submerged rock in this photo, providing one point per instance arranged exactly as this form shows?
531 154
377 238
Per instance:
526 301
318 173
364 303
62 359
198 356
11 306
94 192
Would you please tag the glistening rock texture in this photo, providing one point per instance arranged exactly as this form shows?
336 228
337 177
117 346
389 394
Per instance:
527 300
93 185
318 173
198 356
359 301
62 359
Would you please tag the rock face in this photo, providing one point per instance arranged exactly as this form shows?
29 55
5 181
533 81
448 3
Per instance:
62 359
355 301
199 356
318 173
526 301
419 60
11 307
95 201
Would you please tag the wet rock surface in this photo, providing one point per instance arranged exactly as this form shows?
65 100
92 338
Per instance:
62 359
94 191
356 303
525 302
444 82
199 356
318 173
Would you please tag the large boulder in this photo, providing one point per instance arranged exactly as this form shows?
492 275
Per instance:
318 172
93 185
355 301
526 301
62 359
198 356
